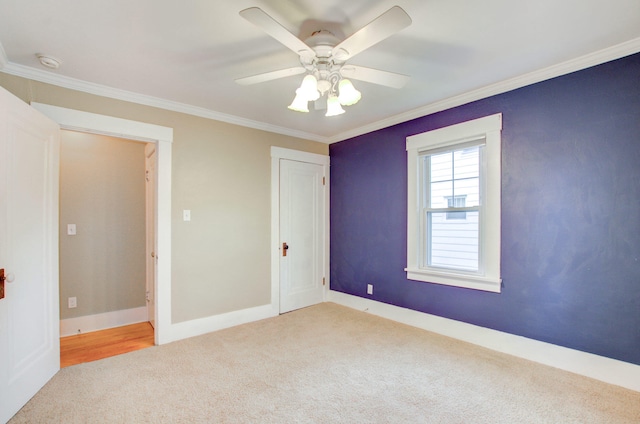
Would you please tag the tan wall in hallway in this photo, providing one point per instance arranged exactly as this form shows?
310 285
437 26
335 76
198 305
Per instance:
102 192
221 172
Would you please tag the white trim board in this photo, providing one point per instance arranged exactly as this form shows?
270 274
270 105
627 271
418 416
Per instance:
89 323
197 327
78 120
608 370
143 99
605 55
4 60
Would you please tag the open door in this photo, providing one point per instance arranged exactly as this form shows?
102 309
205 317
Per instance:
29 311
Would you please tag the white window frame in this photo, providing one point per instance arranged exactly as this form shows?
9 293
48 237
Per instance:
488 129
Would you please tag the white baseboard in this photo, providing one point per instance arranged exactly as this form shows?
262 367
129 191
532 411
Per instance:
609 370
89 323
197 327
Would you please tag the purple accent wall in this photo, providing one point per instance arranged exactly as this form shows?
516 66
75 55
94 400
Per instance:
570 214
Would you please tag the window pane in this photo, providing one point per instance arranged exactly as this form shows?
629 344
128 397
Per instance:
452 243
468 189
441 167
466 163
439 194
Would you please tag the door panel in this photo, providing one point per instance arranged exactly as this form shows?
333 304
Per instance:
302 229
29 314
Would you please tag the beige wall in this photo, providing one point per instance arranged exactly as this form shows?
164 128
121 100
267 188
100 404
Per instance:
221 172
102 192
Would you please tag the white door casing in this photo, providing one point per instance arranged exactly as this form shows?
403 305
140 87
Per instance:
150 222
29 313
300 204
76 120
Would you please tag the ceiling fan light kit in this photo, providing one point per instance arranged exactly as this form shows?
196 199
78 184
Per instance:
333 106
348 95
323 57
309 88
300 102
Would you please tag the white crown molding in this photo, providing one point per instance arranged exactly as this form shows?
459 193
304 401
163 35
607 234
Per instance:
596 58
129 96
582 62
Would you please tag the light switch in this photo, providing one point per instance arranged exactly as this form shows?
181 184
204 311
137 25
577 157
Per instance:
186 215
71 229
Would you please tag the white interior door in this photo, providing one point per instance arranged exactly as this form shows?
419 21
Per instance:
29 312
150 194
301 234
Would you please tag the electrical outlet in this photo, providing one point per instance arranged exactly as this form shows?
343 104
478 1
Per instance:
72 302
369 288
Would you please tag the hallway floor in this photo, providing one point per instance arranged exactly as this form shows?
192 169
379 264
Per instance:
96 345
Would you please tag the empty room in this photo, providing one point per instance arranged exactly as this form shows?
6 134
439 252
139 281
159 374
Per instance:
323 211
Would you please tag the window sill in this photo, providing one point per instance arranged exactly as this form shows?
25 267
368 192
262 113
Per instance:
475 282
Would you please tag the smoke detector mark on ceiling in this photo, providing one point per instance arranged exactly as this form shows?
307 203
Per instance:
48 61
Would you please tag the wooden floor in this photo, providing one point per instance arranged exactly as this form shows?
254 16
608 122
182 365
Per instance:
103 344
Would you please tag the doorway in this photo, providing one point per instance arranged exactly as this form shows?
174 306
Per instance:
105 208
299 229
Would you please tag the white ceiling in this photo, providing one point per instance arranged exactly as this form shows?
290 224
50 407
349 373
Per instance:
185 55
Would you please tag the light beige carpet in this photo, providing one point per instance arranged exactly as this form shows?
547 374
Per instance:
324 364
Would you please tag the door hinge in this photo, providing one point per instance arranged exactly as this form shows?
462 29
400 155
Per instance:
324 181
323 282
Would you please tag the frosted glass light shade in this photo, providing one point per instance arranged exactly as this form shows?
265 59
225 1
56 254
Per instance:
309 88
299 103
333 106
348 93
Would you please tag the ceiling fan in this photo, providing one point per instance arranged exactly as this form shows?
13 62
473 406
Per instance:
323 58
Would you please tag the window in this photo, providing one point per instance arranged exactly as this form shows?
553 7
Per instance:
454 202
453 229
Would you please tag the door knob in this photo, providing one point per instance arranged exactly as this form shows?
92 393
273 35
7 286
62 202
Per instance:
8 278
2 279
285 247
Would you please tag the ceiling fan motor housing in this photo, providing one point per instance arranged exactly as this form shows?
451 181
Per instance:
324 65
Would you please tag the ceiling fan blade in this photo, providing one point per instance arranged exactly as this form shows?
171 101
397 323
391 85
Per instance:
384 26
268 76
375 76
262 20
